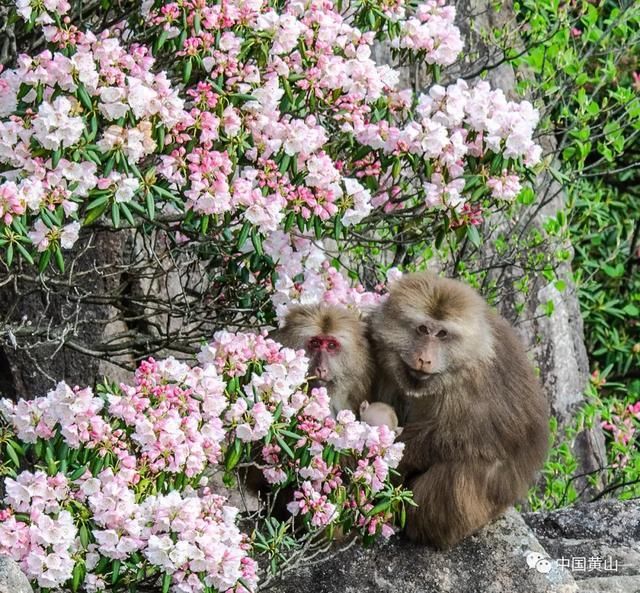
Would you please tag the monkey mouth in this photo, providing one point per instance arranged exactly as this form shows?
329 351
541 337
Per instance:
415 374
317 382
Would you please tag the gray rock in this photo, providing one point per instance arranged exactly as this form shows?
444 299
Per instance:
12 579
599 542
494 560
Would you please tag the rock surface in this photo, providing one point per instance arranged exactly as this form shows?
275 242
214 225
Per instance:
599 542
494 560
12 580
588 548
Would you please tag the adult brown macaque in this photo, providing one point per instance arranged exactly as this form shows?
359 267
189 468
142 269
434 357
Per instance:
335 341
475 419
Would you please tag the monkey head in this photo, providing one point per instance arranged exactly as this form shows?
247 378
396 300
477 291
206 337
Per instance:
378 413
334 339
428 328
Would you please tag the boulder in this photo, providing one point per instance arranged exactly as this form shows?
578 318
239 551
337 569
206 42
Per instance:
12 579
599 543
504 556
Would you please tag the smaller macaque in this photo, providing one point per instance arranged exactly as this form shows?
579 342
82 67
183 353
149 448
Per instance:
378 413
334 339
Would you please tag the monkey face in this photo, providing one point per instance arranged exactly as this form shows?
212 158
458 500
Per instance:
334 339
423 350
324 353
428 328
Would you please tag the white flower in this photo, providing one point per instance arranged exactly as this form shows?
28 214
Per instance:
53 127
23 8
126 189
69 235
361 202
142 98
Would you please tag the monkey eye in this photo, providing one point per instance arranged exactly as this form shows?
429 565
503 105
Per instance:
423 329
333 345
442 333
314 343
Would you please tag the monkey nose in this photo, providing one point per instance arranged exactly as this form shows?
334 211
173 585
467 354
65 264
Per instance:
321 372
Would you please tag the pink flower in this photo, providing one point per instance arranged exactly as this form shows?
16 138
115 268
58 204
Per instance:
10 202
506 187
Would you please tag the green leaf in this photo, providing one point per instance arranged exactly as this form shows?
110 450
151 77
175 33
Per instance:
23 252
115 214
96 213
84 98
256 240
109 165
616 271
186 71
242 97
56 155
78 472
473 235
383 506
52 467
116 572
43 262
243 235
284 163
124 209
337 227
166 583
77 576
284 446
84 536
162 39
151 205
13 454
233 455
59 259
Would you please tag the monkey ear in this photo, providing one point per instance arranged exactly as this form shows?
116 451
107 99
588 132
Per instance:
363 406
365 311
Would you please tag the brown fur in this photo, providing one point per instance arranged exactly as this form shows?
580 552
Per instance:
476 429
351 370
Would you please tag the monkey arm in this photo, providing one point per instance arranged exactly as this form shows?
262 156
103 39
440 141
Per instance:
418 452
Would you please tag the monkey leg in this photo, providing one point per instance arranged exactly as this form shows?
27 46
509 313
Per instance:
454 500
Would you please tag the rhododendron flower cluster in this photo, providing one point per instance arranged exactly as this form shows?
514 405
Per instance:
272 118
433 32
304 258
120 478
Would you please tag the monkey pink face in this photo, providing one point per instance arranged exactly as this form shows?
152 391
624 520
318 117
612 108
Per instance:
327 343
321 350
